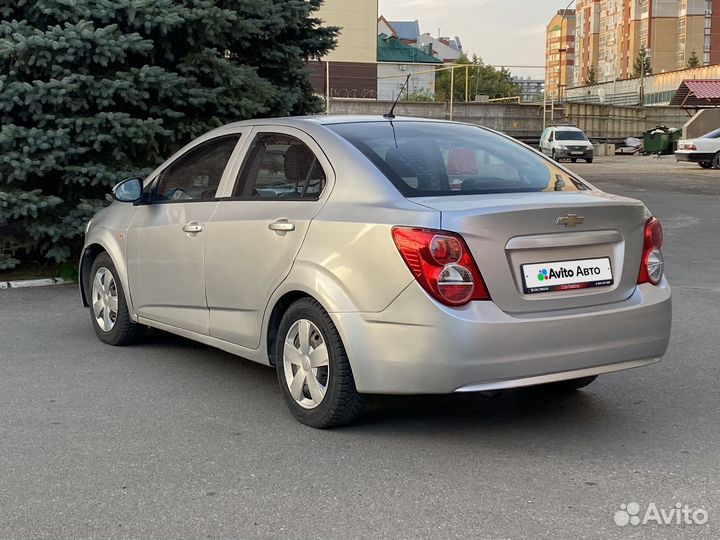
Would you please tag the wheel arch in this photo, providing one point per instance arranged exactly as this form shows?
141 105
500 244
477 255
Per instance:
97 244
87 258
276 314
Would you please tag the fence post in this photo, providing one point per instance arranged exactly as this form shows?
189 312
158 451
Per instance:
327 87
452 90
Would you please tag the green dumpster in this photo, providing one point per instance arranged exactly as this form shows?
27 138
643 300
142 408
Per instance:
656 141
675 136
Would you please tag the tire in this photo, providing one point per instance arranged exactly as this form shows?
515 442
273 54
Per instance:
716 161
706 164
323 395
105 291
589 160
554 156
573 160
570 384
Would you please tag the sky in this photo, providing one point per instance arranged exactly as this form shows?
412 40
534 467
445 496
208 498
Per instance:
503 32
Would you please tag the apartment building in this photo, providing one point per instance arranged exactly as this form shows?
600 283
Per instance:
610 33
587 37
559 52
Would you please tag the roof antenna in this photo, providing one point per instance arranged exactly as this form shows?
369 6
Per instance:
391 114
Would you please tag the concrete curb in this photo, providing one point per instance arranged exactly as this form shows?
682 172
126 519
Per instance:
24 283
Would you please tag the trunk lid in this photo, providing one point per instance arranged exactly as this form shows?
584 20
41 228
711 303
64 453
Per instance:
506 231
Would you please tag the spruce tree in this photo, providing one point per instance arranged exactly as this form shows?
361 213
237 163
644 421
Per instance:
94 91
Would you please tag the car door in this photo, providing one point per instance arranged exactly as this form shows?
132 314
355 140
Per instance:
544 140
166 238
259 226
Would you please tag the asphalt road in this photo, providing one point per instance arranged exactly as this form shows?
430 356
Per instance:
173 439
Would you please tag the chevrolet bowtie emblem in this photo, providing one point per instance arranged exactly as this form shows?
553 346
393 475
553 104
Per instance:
570 220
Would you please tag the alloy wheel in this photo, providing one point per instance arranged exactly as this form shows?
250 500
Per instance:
104 299
306 364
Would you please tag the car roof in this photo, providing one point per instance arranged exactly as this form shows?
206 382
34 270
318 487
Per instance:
325 120
566 128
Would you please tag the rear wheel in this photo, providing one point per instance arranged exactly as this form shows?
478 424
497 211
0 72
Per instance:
108 309
706 164
716 161
574 160
313 368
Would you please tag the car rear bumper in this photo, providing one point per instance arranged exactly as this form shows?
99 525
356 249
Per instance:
417 346
694 157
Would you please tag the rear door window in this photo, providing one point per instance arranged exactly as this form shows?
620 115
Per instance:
279 166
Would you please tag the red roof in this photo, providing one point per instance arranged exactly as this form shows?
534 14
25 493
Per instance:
694 93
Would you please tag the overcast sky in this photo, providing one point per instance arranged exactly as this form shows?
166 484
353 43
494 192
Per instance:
506 32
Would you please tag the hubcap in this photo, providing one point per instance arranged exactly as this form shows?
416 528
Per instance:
104 299
306 364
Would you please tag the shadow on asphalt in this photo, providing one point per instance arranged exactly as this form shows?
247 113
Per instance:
533 408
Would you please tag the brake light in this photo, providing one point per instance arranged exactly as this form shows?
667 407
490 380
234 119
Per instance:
442 264
651 265
690 147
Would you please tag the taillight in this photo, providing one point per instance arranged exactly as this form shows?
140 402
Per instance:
442 264
690 147
651 265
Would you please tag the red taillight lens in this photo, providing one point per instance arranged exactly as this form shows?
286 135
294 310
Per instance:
690 147
442 264
651 265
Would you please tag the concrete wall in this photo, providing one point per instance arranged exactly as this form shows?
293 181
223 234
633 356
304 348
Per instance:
613 123
704 121
525 122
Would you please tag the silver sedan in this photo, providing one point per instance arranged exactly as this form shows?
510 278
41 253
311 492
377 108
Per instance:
362 255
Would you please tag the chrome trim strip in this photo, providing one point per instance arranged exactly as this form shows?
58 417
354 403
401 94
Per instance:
554 377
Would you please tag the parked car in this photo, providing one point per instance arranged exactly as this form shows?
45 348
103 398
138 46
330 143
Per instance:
704 150
362 255
566 142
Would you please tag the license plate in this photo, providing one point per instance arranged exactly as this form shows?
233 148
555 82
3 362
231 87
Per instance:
566 275
577 153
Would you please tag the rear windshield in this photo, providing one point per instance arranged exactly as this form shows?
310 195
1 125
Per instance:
430 159
570 136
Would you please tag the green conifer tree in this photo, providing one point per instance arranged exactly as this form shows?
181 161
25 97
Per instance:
93 91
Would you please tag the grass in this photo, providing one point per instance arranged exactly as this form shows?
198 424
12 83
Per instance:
37 270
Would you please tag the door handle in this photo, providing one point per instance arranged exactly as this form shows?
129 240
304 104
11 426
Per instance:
281 225
192 228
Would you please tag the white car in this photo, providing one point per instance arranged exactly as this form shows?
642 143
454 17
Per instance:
704 150
566 142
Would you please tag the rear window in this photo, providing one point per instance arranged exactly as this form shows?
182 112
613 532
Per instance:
430 159
568 135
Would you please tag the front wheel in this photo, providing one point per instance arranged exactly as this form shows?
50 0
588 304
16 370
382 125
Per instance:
108 309
573 160
313 368
589 160
554 156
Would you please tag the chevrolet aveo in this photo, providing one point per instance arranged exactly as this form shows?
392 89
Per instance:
363 255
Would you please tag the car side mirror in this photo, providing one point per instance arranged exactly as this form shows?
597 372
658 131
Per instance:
129 190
